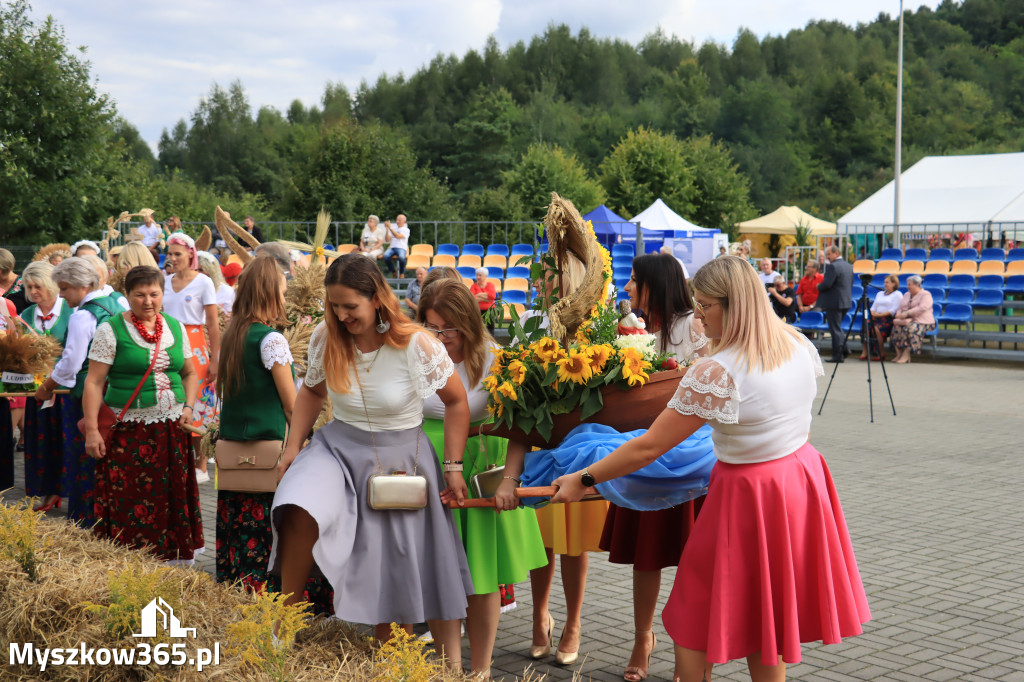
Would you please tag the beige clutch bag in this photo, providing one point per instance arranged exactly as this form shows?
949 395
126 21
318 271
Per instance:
248 466
396 491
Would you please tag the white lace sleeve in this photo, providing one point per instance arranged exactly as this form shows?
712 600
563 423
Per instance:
186 345
819 370
315 357
274 350
104 345
709 392
429 364
697 338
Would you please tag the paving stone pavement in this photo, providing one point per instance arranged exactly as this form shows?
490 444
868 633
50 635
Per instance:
933 498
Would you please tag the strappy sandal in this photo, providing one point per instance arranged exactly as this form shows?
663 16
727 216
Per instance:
635 673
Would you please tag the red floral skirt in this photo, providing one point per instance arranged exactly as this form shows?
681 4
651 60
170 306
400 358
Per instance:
146 495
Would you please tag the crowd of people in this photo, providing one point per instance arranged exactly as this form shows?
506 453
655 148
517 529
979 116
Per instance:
146 367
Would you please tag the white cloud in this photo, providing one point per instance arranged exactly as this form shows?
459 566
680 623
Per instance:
156 59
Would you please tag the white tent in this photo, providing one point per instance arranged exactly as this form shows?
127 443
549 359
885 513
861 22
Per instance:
977 193
691 244
658 216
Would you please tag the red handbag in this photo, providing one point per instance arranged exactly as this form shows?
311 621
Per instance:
106 419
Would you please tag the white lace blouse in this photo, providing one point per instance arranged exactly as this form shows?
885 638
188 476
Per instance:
685 340
167 408
755 416
433 407
398 381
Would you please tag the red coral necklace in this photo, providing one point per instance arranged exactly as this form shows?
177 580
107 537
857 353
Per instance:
148 337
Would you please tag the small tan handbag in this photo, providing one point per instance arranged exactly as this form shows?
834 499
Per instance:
248 466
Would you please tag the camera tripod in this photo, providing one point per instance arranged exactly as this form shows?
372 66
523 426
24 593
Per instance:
868 330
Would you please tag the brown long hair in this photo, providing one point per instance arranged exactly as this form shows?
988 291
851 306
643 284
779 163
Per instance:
668 297
452 301
257 299
359 273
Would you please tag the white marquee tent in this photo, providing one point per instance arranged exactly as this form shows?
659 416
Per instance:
691 244
978 193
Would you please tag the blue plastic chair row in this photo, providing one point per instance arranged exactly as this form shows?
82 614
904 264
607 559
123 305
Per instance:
948 255
478 250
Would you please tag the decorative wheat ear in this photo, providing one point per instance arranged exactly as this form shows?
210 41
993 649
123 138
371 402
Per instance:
228 228
323 224
568 236
205 239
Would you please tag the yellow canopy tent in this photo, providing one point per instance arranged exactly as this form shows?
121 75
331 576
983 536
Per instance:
782 221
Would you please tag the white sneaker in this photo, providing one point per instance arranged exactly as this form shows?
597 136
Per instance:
202 476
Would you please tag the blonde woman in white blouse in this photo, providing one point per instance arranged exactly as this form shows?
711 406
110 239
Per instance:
769 563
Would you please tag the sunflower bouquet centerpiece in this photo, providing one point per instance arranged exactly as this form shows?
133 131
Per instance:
567 362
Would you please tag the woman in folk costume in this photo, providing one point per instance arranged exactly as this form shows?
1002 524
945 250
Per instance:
769 563
49 315
79 287
190 298
146 491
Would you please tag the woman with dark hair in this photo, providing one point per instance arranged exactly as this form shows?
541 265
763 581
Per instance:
386 565
502 548
653 540
146 491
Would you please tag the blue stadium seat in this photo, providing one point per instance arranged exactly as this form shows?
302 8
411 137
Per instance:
941 254
936 311
903 277
473 250
989 299
447 250
161 259
935 278
916 254
879 280
891 254
623 249
1014 284
856 291
622 273
622 262
518 271
956 313
811 321
622 295
498 250
993 253
965 254
938 292
1015 254
994 282
514 296
960 296
522 249
495 272
467 271
962 282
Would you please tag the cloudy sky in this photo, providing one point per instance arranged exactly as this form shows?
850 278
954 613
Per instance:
157 59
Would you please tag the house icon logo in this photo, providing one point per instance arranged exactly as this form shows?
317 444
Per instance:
159 612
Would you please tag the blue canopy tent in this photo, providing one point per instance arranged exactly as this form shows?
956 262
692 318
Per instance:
611 228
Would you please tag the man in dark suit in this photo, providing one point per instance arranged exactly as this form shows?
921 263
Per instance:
835 298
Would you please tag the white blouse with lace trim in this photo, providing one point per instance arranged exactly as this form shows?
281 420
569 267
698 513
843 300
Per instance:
756 416
274 350
167 408
395 381
685 339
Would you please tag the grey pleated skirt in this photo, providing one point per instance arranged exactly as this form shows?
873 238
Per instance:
385 566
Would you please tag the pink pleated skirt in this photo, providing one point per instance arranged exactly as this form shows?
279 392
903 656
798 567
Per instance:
769 564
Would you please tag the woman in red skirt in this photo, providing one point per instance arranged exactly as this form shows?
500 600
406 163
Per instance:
769 563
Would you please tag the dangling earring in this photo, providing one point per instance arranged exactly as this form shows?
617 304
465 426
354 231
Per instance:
382 326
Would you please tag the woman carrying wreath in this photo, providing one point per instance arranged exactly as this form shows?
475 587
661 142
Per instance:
401 566
501 548
146 491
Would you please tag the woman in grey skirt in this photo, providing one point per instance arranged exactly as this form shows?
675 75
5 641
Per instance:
385 566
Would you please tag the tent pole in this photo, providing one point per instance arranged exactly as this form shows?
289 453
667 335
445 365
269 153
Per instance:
639 240
899 135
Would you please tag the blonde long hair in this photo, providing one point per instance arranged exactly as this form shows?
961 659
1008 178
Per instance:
359 273
133 255
452 301
749 326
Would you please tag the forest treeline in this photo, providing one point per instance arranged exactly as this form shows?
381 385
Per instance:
721 133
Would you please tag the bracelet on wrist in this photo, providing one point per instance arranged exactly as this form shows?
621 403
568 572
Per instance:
189 407
453 468
513 478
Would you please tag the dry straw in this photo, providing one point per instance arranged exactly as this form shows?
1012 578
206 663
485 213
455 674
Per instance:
567 234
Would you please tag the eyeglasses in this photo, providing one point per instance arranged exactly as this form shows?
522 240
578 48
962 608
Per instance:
443 333
702 309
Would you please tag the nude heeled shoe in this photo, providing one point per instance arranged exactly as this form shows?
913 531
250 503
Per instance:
542 651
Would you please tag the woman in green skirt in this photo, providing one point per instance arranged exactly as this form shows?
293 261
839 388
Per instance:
502 549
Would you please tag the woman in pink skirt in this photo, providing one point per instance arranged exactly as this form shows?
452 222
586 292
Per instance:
769 563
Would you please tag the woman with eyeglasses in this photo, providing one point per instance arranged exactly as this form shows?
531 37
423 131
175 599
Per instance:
502 549
769 563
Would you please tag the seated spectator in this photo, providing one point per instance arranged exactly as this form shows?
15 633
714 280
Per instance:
371 243
807 288
250 226
412 294
399 245
887 302
767 274
485 295
912 321
783 299
151 232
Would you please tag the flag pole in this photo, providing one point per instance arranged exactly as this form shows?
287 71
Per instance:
899 135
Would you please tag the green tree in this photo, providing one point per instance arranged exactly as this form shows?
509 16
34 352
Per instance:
56 145
483 140
722 196
644 166
544 169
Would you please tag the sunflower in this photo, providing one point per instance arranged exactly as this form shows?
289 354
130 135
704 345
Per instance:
598 356
575 367
508 390
518 371
634 374
491 382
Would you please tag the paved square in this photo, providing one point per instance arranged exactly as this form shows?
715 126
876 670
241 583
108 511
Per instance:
934 499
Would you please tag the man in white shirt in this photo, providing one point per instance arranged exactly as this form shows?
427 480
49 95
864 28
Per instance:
151 232
399 244
767 274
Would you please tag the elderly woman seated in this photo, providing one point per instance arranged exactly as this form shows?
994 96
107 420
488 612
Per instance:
912 321
887 303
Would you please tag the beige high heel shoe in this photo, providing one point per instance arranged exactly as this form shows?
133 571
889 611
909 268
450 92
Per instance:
542 651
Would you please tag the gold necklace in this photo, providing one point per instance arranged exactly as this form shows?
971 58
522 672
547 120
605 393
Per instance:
375 356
